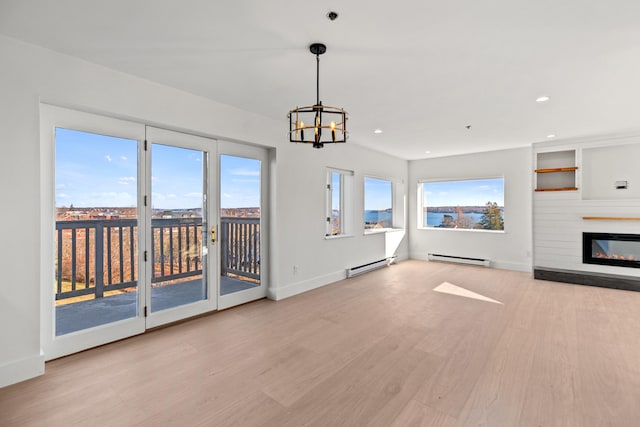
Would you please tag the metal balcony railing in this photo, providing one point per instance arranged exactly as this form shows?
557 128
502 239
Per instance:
97 256
240 247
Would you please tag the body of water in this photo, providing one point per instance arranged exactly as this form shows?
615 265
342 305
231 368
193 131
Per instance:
434 219
373 217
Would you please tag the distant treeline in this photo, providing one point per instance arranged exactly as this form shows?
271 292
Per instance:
464 209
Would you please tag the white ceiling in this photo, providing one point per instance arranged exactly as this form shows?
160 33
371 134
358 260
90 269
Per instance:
420 70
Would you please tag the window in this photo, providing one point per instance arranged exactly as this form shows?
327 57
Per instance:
338 187
474 204
378 204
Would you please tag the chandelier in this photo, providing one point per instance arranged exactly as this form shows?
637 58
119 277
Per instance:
318 124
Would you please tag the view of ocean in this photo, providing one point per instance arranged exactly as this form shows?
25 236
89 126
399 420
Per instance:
377 216
434 219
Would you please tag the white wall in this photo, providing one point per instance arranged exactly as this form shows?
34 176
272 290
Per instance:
509 250
301 206
602 167
31 74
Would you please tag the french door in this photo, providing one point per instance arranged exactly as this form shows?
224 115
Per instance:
181 217
93 173
243 173
135 220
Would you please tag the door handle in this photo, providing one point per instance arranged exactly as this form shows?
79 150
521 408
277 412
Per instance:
213 234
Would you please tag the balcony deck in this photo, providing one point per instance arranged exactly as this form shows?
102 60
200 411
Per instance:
87 314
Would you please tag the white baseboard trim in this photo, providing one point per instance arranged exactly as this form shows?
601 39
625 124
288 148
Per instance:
316 282
304 286
21 370
502 265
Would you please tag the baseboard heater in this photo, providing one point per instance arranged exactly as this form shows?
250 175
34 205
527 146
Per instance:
459 259
361 269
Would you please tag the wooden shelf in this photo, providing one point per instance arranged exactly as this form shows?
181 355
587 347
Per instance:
610 218
552 170
557 189
556 171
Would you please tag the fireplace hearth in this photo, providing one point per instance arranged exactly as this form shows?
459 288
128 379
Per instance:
619 250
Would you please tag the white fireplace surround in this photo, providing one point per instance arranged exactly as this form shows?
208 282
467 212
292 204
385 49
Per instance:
559 216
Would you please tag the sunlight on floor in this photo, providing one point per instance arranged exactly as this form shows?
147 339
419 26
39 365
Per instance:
450 288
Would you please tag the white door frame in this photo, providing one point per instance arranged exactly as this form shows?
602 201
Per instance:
182 140
52 117
258 153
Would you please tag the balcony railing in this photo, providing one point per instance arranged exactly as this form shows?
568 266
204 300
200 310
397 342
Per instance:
176 248
98 256
240 247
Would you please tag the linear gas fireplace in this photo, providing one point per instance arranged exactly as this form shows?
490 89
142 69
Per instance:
621 250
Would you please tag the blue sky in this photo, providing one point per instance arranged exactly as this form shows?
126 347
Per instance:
102 171
377 194
475 192
239 182
335 190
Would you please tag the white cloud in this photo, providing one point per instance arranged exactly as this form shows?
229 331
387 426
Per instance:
60 186
62 196
193 195
126 180
123 158
108 158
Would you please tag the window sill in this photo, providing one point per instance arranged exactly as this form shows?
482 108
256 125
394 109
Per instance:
338 236
382 230
472 230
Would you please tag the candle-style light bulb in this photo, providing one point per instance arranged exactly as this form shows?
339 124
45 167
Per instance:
333 131
301 130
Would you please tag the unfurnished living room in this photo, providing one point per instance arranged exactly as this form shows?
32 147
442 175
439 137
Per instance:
278 213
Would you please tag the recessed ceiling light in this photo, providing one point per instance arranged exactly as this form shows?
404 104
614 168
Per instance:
377 131
544 98
551 135
427 152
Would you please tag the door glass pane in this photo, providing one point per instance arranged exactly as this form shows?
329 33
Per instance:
178 226
239 234
96 238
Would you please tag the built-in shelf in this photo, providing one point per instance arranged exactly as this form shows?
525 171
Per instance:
610 218
556 171
557 189
552 170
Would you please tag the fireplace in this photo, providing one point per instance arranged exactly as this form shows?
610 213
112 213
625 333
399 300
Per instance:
620 250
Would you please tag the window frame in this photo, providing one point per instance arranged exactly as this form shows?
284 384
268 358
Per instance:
420 223
346 177
395 216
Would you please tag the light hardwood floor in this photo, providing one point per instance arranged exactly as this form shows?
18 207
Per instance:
381 349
